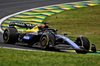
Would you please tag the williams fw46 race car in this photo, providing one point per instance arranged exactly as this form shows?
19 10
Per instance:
45 38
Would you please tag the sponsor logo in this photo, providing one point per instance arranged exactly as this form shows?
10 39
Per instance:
33 33
26 37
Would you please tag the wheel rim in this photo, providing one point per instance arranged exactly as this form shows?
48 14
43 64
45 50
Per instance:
43 41
5 37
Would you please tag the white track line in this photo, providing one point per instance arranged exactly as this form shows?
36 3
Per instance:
35 50
25 49
1 20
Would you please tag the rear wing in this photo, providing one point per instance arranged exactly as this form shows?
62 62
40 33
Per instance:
22 25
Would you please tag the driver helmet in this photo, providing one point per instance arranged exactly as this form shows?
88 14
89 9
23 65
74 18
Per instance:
43 27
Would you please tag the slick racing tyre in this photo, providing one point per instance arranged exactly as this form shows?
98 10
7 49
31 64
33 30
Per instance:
84 44
47 41
10 36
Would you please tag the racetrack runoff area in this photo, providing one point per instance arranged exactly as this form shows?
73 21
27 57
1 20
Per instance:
38 15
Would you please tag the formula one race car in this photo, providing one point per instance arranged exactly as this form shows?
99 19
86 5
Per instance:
45 37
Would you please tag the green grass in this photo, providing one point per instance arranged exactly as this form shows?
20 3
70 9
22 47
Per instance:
83 21
10 57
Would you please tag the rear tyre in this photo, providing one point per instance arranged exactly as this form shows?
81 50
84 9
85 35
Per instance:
84 43
10 36
47 41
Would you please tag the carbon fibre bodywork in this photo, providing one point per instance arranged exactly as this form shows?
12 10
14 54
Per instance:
35 37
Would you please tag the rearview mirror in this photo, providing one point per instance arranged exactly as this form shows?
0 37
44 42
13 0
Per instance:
65 34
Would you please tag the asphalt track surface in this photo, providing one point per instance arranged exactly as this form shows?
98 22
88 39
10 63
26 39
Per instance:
8 7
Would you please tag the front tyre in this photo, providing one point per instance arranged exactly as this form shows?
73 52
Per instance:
84 44
10 36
